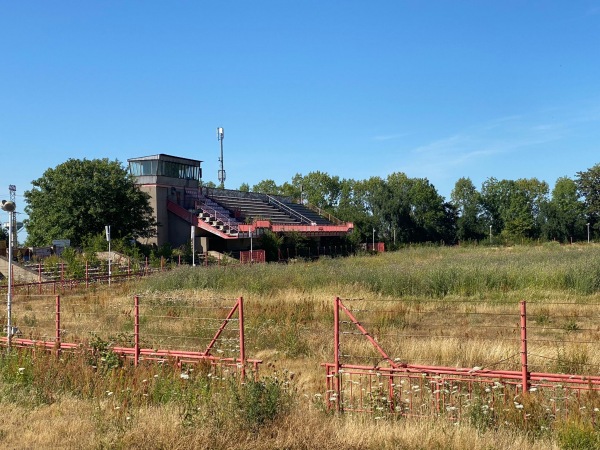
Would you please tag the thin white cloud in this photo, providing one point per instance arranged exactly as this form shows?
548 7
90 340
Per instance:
480 146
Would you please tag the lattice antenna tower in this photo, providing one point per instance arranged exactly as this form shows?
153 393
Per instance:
12 189
220 137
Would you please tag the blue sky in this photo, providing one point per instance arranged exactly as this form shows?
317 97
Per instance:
439 89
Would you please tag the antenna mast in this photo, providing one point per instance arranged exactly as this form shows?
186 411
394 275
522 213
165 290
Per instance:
12 192
220 137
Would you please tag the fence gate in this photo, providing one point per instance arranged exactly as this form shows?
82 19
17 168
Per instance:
388 385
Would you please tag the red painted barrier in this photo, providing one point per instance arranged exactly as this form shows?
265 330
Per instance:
390 386
155 353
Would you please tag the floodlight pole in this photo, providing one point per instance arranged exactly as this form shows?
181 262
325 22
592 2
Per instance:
588 229
220 137
193 233
10 277
9 207
373 249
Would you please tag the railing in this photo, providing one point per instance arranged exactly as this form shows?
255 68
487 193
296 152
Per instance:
283 207
218 215
325 214
55 281
218 192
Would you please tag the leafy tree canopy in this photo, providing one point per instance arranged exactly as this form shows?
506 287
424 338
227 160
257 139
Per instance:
78 198
588 187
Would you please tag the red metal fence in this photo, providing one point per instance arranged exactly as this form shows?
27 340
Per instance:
57 278
254 256
392 385
181 331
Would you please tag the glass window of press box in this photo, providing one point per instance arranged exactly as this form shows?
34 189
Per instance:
165 169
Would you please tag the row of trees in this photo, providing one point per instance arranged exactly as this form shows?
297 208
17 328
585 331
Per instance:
403 209
78 198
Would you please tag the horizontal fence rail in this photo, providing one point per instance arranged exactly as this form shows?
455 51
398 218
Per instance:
177 330
387 385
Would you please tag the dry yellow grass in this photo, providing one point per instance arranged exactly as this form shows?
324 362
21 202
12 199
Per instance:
291 330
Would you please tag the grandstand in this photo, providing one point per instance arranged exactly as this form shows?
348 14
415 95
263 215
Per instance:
225 220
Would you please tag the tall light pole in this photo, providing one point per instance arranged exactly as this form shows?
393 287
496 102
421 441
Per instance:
12 189
588 227
490 234
251 255
193 236
9 207
220 137
373 248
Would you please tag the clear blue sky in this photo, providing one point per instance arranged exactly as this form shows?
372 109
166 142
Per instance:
439 89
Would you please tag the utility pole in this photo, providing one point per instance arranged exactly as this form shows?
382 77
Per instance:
12 189
9 207
220 137
588 227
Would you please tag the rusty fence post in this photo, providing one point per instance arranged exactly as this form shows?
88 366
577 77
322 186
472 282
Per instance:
57 331
241 328
136 329
336 352
524 368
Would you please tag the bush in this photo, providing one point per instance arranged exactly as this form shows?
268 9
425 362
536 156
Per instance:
578 436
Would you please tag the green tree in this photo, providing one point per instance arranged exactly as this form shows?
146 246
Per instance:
245 187
467 201
513 207
494 196
434 219
266 187
321 190
271 243
564 215
78 198
588 188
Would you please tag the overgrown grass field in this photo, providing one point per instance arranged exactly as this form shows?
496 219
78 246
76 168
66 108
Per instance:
454 306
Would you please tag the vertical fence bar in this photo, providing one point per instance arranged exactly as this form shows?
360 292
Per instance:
336 352
39 278
136 329
57 331
242 347
524 371
87 275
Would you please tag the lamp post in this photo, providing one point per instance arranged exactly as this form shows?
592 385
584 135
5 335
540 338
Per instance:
373 248
193 237
490 234
9 207
251 234
588 228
